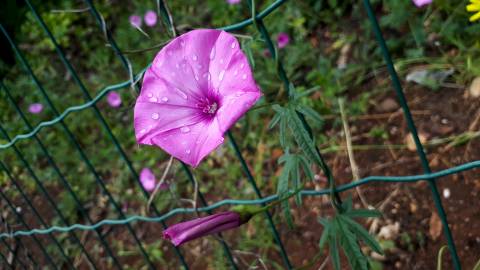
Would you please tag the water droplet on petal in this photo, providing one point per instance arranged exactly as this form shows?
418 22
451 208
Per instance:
244 76
221 139
149 95
196 78
233 45
164 99
187 151
220 76
182 43
155 116
194 57
181 93
200 66
235 72
143 131
177 66
212 53
153 99
221 61
242 65
185 129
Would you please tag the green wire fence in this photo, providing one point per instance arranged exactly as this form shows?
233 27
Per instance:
29 237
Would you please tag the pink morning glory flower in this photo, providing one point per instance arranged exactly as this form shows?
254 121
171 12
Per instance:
135 21
282 40
35 108
197 87
233 2
421 3
193 229
147 179
150 18
114 99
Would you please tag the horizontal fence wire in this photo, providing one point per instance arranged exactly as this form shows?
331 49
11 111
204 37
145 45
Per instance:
59 118
342 188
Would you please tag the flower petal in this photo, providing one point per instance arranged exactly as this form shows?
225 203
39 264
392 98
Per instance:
191 143
475 17
234 106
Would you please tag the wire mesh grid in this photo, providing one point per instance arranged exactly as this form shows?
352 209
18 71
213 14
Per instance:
61 257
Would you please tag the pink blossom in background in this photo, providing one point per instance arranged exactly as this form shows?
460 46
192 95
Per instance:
147 179
233 2
197 87
193 229
150 18
282 40
421 3
135 21
114 99
35 108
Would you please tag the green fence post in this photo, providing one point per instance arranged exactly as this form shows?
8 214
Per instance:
413 130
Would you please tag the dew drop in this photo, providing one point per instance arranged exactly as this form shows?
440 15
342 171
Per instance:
221 61
244 76
187 151
212 53
181 93
182 43
177 66
235 72
200 66
221 139
153 99
185 129
206 75
194 57
149 95
164 99
143 131
233 45
242 65
196 78
155 116
220 76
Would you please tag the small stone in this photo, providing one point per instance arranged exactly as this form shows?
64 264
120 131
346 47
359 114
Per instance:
388 105
411 143
474 89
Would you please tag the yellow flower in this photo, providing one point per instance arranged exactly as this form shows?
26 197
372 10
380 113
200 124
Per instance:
474 7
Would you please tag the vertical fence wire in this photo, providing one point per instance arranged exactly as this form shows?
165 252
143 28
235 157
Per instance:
55 167
14 253
47 196
413 130
20 245
22 221
74 140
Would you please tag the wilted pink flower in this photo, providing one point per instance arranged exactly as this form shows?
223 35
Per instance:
282 40
193 229
150 18
35 108
197 87
135 20
421 3
114 99
233 2
147 179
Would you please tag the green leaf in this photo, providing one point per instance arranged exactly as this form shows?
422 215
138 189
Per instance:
363 213
362 233
276 118
325 233
350 245
306 167
302 137
310 113
334 250
283 131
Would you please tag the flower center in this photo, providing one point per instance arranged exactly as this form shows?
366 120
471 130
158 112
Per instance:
208 106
